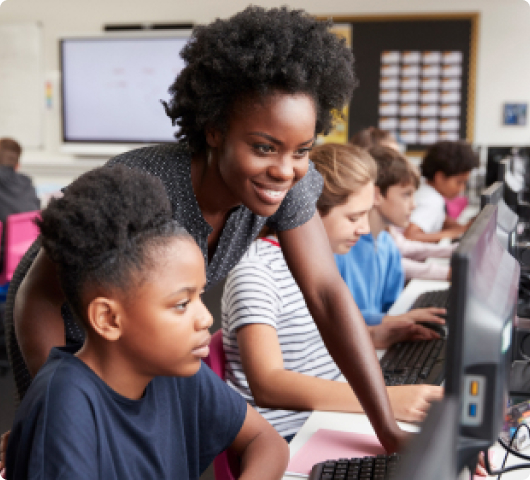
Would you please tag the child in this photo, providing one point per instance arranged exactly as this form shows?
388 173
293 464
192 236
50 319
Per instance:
255 91
445 168
275 355
372 136
372 269
135 400
413 252
17 193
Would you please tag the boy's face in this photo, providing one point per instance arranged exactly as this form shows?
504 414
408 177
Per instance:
345 223
450 186
397 205
165 324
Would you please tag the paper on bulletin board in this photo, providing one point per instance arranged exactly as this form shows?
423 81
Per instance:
339 133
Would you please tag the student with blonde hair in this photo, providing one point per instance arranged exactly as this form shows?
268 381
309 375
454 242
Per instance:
275 356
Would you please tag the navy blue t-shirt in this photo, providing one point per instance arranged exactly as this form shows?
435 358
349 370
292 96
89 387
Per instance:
72 425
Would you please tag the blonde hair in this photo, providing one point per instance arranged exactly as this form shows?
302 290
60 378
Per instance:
345 169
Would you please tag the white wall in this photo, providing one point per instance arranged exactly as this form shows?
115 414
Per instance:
503 68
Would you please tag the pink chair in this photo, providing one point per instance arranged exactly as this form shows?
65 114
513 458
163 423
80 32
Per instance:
20 233
225 466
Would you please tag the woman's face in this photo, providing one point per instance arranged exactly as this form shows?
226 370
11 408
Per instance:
345 223
264 151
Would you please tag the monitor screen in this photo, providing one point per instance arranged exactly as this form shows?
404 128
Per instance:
485 279
494 156
506 219
112 87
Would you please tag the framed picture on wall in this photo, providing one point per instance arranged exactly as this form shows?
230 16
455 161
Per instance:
514 113
416 76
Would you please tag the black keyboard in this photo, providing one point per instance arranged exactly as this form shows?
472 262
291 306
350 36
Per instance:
411 363
367 468
434 298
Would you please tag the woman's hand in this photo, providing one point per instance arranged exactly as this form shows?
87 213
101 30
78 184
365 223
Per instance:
388 333
3 450
419 315
411 403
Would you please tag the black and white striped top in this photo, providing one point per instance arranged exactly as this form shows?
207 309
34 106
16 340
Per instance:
261 289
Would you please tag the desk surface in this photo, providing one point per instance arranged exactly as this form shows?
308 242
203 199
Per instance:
358 423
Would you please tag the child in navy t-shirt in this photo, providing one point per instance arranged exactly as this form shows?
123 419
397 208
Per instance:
135 401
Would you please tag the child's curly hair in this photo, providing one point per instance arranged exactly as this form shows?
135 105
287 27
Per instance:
451 158
106 230
258 52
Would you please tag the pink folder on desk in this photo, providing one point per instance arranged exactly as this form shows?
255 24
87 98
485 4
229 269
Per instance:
332 445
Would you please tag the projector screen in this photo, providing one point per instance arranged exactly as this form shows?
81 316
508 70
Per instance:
112 87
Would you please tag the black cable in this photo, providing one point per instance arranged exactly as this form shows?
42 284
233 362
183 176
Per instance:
509 450
514 436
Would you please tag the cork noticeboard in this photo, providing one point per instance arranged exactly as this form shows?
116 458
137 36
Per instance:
416 76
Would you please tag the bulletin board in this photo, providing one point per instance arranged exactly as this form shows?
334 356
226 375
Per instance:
416 76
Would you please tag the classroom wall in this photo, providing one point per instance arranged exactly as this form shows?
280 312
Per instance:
503 68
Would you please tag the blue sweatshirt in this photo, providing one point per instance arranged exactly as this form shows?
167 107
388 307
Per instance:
373 272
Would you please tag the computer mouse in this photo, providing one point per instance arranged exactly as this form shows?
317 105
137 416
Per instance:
439 329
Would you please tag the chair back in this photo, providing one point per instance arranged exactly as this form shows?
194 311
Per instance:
20 233
225 466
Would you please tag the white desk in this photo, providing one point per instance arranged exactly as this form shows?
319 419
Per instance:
358 423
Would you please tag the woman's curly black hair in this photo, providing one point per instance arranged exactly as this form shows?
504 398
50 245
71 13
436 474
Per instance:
451 158
258 52
104 229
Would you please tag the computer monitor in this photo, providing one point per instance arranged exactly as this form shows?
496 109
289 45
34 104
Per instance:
112 85
483 298
431 455
506 219
494 156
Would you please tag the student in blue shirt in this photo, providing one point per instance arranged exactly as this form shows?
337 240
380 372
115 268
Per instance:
372 268
135 401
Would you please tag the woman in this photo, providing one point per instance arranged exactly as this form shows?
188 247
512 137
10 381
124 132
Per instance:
255 91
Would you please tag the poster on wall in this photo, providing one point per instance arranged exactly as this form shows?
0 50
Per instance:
339 133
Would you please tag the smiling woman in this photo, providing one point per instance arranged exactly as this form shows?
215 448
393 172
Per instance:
255 91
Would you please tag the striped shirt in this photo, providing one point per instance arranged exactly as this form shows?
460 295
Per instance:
261 289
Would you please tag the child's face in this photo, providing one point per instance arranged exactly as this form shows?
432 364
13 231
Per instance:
450 186
265 150
397 205
165 324
345 223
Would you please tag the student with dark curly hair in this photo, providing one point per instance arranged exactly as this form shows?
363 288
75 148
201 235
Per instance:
255 91
120 406
445 169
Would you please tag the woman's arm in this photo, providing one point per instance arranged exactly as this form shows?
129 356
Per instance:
37 313
264 454
274 387
309 257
